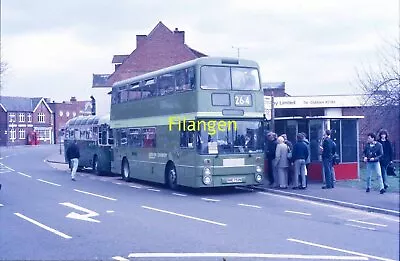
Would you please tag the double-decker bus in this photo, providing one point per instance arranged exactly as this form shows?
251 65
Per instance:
94 139
195 124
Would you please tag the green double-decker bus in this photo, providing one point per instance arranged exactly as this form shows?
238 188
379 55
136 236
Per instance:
195 124
94 139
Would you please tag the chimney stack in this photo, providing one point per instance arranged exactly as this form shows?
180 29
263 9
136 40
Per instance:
73 99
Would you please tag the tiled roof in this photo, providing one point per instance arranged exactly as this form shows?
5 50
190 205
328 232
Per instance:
18 103
119 58
160 48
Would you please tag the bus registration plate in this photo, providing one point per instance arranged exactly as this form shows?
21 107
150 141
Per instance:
231 180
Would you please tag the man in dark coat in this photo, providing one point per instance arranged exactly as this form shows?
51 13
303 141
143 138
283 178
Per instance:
387 157
270 155
328 150
73 156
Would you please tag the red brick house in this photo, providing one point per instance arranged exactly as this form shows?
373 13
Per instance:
20 116
160 48
66 110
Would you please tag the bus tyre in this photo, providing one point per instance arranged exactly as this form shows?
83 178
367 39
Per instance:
172 177
125 171
95 166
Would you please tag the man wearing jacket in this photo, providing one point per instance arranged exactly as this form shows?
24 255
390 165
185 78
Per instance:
387 157
73 156
328 150
372 154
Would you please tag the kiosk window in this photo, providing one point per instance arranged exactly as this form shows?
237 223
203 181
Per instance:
315 138
349 141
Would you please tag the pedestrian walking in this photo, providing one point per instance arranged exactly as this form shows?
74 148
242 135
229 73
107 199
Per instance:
387 157
281 162
299 156
73 156
270 154
373 152
328 150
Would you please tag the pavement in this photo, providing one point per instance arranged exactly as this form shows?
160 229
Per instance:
46 216
342 195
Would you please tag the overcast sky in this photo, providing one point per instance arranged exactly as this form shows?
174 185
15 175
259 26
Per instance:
53 47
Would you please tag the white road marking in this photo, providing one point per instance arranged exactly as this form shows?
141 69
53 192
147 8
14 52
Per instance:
134 186
366 223
300 213
96 195
361 212
110 211
23 174
185 216
1 205
48 182
180 195
117 183
245 255
347 203
87 217
211 200
43 226
155 190
340 250
119 258
352 225
246 205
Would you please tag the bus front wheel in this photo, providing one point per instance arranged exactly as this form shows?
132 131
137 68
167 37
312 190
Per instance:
125 170
172 177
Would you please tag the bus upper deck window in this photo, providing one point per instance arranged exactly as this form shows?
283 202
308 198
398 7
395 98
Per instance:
215 77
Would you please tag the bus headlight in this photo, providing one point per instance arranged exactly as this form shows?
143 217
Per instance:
207 176
258 178
207 180
206 172
258 169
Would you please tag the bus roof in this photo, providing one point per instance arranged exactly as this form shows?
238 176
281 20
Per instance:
89 120
200 61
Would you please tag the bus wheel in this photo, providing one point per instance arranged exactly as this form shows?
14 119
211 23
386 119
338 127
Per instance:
172 177
125 170
95 166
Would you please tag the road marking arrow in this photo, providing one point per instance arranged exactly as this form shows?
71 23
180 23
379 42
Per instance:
86 217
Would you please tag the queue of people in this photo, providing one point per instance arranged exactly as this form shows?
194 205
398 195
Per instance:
288 164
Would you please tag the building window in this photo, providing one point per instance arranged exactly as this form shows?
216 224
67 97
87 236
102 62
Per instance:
41 117
29 117
61 113
67 114
44 134
13 134
11 117
73 114
22 117
21 134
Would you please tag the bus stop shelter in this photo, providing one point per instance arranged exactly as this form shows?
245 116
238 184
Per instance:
344 132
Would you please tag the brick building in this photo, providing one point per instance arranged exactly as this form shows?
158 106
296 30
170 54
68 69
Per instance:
160 48
20 116
66 110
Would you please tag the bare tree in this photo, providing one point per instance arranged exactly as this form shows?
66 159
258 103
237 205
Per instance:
3 68
381 85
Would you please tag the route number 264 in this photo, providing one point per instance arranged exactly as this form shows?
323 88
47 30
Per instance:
242 100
